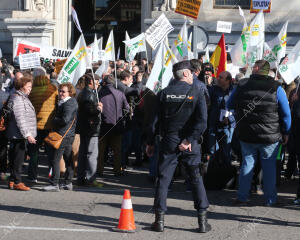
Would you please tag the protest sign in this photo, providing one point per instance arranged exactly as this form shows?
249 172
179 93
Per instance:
257 5
224 27
30 60
188 8
24 47
158 31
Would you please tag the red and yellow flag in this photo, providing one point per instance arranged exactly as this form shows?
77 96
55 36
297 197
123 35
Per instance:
219 57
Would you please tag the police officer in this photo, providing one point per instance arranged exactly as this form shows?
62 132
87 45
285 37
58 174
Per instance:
182 119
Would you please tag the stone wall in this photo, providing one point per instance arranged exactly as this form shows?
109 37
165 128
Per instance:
6 7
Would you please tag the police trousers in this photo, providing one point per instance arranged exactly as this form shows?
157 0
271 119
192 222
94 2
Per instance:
168 161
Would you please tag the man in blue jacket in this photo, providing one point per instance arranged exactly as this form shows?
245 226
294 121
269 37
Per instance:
221 121
263 121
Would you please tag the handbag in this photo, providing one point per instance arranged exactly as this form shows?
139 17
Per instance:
2 124
54 139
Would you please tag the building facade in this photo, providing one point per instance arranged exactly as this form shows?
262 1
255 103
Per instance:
49 21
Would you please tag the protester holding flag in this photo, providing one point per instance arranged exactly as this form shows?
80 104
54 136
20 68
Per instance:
89 121
64 123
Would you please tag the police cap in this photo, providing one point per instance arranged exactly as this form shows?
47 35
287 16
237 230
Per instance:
182 65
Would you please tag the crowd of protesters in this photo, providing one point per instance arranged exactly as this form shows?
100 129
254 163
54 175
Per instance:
102 118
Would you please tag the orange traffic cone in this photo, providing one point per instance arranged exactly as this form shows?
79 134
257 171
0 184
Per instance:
126 221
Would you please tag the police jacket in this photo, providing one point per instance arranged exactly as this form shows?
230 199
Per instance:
257 110
182 111
89 116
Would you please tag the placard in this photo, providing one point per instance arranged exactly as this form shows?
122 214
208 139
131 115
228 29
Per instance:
30 60
188 8
158 31
257 5
224 27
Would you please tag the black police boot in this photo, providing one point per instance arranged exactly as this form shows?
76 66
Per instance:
158 225
204 227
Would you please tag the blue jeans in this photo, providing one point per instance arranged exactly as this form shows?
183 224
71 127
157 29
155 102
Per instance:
267 154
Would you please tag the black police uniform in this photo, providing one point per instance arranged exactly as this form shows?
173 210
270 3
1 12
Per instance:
182 114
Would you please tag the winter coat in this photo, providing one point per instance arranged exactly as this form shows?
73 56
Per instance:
64 116
43 97
22 123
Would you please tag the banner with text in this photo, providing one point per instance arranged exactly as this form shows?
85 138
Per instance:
257 5
30 60
24 47
188 8
158 31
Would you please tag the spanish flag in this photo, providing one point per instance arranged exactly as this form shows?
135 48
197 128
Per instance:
219 57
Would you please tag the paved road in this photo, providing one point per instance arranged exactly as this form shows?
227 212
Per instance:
93 213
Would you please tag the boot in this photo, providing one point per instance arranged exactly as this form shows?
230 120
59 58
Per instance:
158 225
204 227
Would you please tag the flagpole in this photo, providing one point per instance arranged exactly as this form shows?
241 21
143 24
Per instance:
116 74
147 58
95 84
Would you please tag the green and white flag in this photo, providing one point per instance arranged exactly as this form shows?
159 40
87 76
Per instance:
206 56
180 47
76 65
95 50
110 54
135 45
191 54
126 39
238 52
278 45
255 48
289 69
270 56
161 73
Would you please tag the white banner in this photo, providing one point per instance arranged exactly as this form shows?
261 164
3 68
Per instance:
158 31
24 47
261 4
224 27
30 60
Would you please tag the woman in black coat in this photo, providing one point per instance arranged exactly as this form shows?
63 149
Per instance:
64 121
